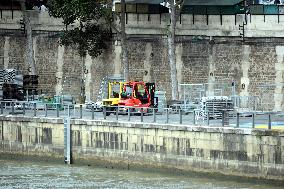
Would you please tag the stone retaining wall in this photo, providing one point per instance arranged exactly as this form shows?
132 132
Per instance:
235 152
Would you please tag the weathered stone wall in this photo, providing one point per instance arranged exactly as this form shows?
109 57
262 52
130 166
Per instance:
255 65
234 152
205 52
251 65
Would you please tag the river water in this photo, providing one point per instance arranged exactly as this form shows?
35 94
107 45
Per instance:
19 174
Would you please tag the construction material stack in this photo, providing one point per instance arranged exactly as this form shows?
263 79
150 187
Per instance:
11 85
30 85
215 106
162 101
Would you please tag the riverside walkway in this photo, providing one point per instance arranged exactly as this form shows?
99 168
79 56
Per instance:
263 120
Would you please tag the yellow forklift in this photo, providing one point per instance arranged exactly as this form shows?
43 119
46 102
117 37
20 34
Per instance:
115 89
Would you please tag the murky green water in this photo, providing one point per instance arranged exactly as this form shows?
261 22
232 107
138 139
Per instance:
18 174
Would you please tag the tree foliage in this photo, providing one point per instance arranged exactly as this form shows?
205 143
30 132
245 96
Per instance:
89 31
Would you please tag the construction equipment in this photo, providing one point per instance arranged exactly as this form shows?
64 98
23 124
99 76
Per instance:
105 93
138 95
114 95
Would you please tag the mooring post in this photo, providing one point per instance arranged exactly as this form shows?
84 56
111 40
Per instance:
24 108
45 110
223 118
238 120
128 113
269 121
154 115
167 115
67 141
116 113
57 110
180 116
13 108
253 121
104 112
93 112
193 117
141 111
81 111
2 111
34 109
208 123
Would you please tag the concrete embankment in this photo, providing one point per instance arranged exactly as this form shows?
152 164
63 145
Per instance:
251 153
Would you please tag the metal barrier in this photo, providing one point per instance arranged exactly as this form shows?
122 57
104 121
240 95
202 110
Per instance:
263 120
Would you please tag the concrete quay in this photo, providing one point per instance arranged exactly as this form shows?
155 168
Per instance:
244 152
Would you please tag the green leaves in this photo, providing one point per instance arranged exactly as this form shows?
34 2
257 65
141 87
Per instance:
92 38
83 10
91 34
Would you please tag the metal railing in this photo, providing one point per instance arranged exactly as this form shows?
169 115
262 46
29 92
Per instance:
263 120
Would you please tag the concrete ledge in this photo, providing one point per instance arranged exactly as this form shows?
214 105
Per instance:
170 127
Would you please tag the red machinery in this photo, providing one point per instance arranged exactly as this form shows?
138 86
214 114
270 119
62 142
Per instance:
138 95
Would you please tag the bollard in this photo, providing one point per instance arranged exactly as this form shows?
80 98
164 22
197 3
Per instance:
104 112
269 121
24 108
13 108
154 115
81 111
223 118
253 121
34 109
193 117
167 115
238 120
93 112
57 110
2 108
208 118
116 113
180 117
128 113
45 108
141 111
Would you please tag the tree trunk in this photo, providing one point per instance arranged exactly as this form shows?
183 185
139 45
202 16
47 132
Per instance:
123 43
171 51
29 40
